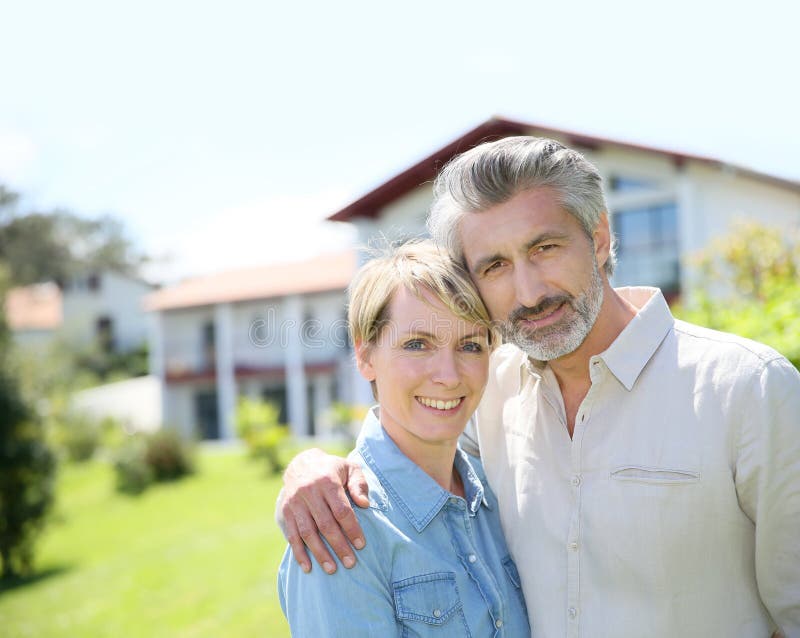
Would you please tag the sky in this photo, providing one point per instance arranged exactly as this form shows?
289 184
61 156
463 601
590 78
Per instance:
223 134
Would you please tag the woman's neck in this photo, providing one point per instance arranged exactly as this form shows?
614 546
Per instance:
436 459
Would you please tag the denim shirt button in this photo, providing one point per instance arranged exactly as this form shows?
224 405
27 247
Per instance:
498 623
472 558
437 613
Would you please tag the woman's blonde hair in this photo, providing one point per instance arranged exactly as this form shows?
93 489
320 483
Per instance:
416 265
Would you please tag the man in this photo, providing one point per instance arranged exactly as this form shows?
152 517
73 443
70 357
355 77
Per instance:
647 470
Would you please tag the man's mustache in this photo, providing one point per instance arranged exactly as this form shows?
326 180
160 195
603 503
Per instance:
546 304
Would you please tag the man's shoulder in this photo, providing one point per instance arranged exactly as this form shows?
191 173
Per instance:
707 343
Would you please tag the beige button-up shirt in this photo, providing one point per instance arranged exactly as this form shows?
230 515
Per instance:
674 511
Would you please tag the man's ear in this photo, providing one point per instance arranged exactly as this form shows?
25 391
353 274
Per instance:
602 240
363 352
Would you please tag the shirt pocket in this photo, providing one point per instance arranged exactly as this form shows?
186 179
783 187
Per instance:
427 602
513 576
654 475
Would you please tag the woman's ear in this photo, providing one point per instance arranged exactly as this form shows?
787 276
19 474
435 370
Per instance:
363 352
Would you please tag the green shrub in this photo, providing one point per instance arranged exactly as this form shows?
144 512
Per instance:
133 474
27 467
167 456
81 438
258 426
145 458
748 283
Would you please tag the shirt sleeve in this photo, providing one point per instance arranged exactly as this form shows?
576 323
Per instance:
353 602
768 487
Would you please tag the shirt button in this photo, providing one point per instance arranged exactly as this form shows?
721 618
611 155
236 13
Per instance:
437 613
576 480
573 546
498 623
572 612
472 558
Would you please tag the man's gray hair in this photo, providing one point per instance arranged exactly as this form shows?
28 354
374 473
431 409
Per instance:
493 173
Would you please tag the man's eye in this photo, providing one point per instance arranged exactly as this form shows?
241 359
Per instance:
414 344
491 267
544 248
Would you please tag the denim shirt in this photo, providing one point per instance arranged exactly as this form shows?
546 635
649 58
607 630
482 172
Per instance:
434 564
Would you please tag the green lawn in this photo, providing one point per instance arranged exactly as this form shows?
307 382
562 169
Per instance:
192 558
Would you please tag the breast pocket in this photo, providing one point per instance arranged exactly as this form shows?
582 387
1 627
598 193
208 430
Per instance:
655 475
429 605
513 576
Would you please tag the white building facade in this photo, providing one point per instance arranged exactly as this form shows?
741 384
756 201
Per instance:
277 333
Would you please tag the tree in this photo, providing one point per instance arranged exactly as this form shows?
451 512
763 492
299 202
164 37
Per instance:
55 245
749 284
27 468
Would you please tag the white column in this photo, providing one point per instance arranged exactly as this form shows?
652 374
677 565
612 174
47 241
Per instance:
156 360
226 373
322 402
691 228
296 397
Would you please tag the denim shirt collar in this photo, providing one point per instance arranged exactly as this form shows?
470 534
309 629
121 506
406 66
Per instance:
418 496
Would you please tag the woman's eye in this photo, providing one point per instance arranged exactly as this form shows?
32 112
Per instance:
471 346
414 344
492 267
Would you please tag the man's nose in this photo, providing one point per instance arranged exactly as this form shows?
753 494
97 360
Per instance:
528 287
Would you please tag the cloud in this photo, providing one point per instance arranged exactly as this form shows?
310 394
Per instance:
276 229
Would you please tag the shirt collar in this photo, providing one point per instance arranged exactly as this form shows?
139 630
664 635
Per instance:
627 356
419 497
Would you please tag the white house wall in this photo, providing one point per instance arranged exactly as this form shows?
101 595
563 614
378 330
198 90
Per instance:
723 197
273 343
118 298
182 333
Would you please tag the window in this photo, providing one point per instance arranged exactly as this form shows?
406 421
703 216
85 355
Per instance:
206 415
276 396
620 184
209 351
647 247
93 282
104 332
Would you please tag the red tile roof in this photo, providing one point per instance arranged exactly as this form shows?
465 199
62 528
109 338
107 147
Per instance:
36 307
495 128
320 274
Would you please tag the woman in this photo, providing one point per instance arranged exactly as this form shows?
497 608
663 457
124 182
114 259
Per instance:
436 563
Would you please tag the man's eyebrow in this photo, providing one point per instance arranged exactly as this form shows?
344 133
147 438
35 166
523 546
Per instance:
535 241
545 237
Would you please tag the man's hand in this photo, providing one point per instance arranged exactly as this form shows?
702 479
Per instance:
314 501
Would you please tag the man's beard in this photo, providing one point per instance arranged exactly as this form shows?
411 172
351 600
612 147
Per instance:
564 336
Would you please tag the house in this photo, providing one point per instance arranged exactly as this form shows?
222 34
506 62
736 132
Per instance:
664 205
275 332
34 313
93 309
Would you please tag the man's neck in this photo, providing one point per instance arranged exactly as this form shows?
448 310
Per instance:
572 370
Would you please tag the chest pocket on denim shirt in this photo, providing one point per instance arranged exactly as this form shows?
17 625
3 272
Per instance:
429 605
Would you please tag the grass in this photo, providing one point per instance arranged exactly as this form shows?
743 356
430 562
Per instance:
193 558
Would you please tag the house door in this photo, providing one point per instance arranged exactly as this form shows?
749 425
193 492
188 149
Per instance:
206 415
